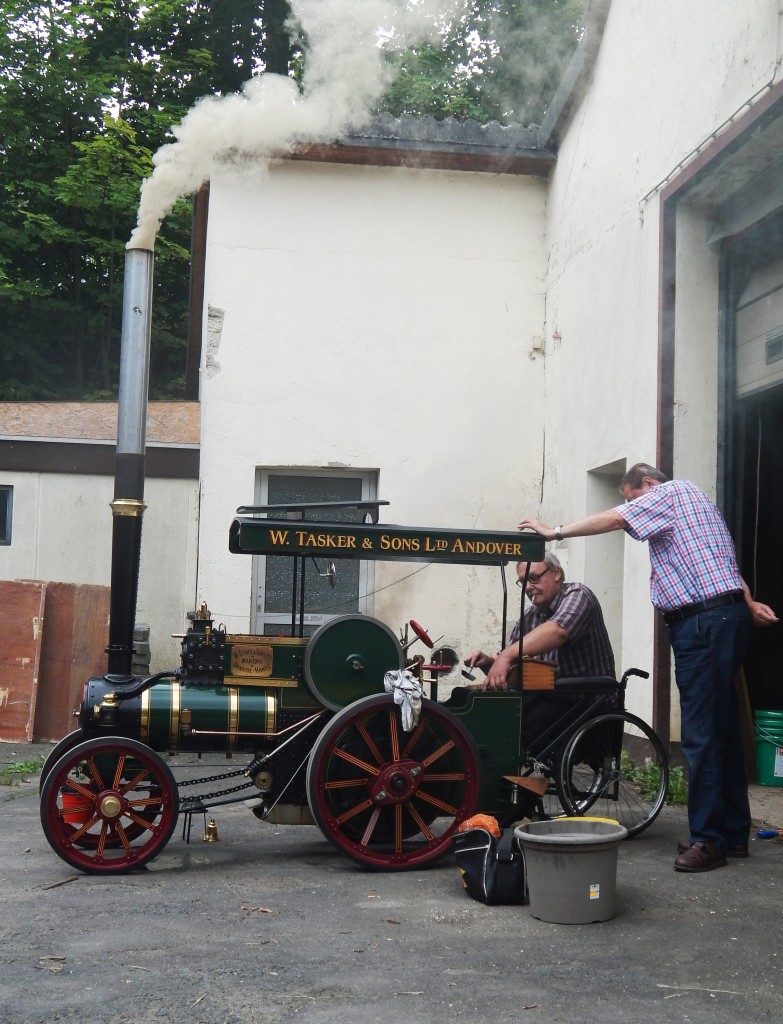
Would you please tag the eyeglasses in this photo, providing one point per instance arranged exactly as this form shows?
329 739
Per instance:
534 577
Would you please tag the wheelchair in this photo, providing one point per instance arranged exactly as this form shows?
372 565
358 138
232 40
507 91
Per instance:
594 758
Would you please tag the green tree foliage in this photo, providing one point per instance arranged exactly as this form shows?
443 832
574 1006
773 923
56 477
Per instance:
498 61
89 91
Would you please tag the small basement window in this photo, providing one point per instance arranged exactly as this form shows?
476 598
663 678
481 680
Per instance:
6 507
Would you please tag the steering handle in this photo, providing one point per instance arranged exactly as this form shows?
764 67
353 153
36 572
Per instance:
421 633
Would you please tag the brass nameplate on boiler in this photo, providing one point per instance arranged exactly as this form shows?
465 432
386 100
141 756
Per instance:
266 660
251 660
274 662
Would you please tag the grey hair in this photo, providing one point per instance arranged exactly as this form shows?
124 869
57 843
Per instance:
552 562
637 473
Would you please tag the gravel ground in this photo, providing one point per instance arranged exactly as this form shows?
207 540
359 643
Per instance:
272 924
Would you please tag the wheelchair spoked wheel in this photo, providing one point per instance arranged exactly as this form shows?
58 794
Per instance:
614 766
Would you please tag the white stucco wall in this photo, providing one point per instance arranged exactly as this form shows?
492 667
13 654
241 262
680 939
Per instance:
62 530
668 74
376 318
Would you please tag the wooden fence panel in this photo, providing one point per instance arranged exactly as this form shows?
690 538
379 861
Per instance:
22 614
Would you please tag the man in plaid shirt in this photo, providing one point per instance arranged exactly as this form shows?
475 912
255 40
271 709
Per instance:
563 625
696 584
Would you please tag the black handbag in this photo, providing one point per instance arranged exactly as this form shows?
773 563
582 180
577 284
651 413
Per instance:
493 870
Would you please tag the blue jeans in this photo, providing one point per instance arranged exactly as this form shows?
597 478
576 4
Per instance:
708 650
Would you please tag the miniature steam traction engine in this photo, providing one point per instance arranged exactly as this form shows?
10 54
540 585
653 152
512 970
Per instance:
324 741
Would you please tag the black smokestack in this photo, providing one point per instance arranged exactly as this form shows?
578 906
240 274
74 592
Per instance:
128 504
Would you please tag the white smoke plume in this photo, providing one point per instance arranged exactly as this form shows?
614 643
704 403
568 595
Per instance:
345 75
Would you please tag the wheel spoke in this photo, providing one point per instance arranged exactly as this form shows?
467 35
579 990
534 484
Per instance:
124 839
94 773
102 840
85 791
362 730
347 783
414 738
75 836
143 824
367 835
151 801
132 784
363 806
356 761
445 776
119 771
398 829
394 736
433 800
425 829
439 753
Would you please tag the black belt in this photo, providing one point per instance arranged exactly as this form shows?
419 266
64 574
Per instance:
677 614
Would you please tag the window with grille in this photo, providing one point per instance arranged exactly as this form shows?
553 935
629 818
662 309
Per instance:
273 576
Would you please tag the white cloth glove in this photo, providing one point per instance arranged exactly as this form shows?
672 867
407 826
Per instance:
407 693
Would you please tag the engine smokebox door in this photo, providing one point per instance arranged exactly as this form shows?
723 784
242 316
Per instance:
347 658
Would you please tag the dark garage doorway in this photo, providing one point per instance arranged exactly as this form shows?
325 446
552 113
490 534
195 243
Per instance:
759 473
753 430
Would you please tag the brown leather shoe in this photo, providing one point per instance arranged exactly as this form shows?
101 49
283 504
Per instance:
700 857
735 850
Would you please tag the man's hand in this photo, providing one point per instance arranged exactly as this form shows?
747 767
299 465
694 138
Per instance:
762 614
478 659
498 673
535 524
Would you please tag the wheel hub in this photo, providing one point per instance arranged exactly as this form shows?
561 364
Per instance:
109 806
396 783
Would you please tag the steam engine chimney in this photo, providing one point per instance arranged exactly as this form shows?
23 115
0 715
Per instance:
128 504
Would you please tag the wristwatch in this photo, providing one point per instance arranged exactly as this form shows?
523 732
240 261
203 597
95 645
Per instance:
559 532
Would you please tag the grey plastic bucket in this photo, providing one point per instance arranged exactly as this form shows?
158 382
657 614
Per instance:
571 868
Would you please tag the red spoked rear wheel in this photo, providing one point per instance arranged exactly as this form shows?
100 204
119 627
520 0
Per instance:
109 805
390 799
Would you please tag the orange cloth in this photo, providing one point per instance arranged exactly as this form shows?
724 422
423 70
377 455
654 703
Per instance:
482 821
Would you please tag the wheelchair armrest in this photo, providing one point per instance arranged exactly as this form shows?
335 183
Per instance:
586 684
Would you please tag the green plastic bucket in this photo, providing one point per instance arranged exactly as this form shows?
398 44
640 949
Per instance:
769 748
770 719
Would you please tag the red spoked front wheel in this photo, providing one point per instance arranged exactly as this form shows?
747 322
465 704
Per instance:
109 805
390 799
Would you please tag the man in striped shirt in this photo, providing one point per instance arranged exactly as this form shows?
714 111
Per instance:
696 584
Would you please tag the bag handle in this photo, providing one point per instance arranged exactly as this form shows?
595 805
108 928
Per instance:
505 847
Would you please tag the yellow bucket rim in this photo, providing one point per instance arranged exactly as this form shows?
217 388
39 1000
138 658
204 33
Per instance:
608 821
